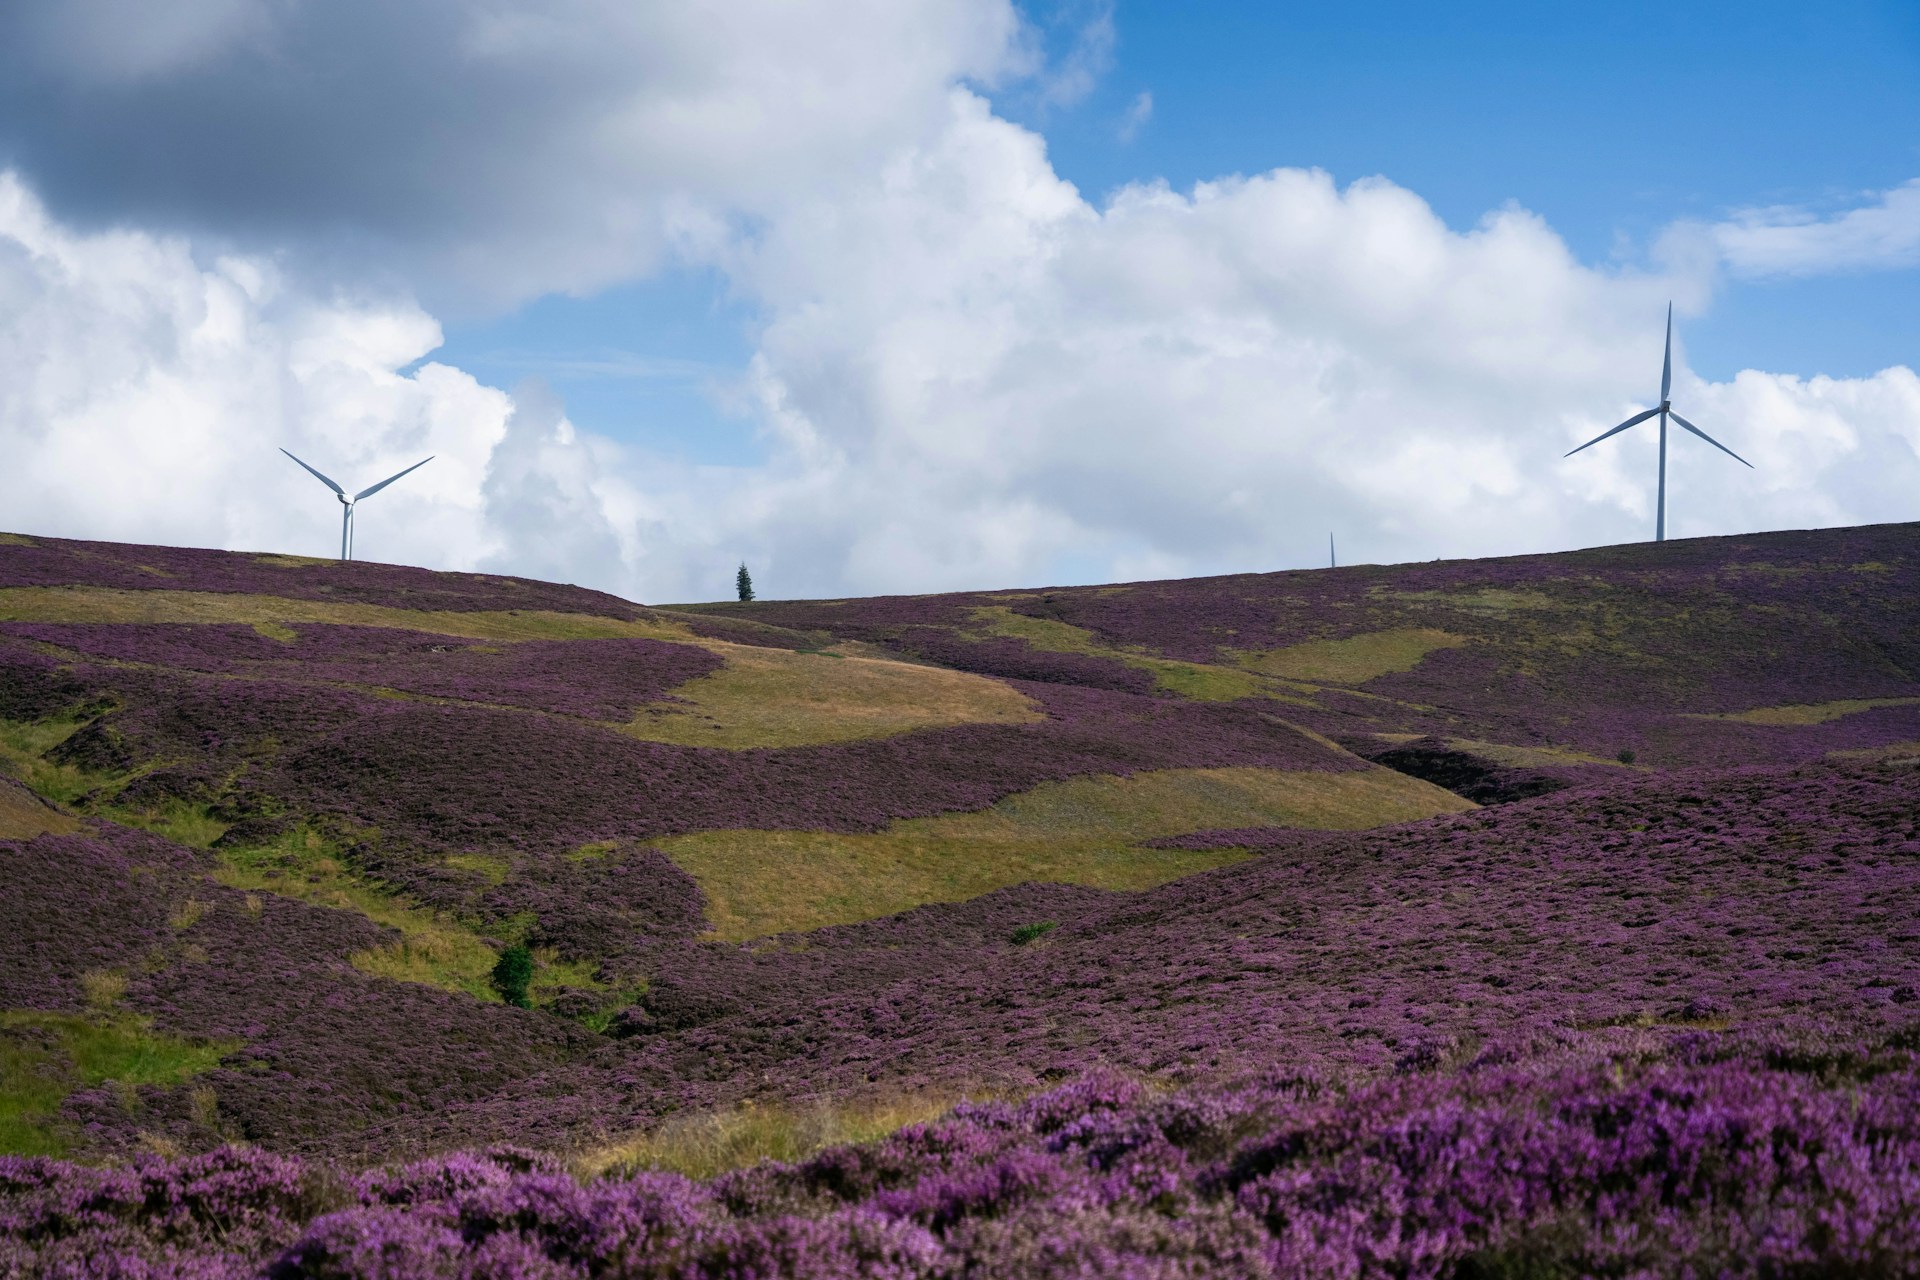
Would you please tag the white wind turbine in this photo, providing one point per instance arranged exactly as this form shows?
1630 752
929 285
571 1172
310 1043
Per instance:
1665 410
346 514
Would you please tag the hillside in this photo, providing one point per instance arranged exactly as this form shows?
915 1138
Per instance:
267 823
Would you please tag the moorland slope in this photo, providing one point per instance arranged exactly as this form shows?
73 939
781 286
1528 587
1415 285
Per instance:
1621 824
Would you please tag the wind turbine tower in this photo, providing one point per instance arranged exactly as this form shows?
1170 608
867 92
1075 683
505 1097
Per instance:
346 503
1665 410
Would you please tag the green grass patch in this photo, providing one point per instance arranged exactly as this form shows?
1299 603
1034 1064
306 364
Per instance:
491 867
1200 681
434 949
23 748
46 1056
778 698
1811 713
112 604
710 1143
1081 831
178 820
1352 659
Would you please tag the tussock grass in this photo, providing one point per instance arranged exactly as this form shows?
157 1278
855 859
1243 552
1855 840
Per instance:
177 820
46 1056
433 949
491 867
710 1143
779 698
1081 831
23 748
1813 713
1353 659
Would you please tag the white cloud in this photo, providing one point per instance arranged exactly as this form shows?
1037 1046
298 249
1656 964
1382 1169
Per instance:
968 374
1211 380
1088 56
483 153
143 396
1788 240
1136 117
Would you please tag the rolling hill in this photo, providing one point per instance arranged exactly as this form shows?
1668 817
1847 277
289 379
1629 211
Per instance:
1174 868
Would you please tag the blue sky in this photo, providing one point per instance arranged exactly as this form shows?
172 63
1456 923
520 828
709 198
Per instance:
1610 121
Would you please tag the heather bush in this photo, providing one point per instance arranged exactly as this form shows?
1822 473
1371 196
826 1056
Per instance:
1683 1157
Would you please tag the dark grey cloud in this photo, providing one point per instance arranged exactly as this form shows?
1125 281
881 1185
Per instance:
488 151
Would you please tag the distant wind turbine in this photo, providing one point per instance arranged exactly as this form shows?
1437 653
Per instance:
346 514
1333 562
1665 410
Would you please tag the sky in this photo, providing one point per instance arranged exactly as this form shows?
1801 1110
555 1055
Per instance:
917 295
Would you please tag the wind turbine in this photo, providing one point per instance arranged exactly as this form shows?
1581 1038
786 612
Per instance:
1665 410
346 514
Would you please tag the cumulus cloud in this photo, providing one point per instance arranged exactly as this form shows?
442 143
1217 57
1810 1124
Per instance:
484 153
967 374
1183 382
1789 240
144 395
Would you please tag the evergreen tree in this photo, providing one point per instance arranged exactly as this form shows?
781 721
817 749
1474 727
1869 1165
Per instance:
743 582
513 974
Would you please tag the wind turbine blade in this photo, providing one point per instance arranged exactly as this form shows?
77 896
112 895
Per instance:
1666 369
1634 421
323 480
367 493
1709 439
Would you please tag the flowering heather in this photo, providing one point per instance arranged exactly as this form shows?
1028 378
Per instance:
1596 649
1687 1157
1744 899
323 1049
605 679
458 776
1646 1016
58 562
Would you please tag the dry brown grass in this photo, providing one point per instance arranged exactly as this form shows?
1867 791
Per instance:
1532 757
1353 659
109 604
1815 713
16 540
24 815
762 698
1081 831
710 1143
102 988
778 698
1200 681
1891 753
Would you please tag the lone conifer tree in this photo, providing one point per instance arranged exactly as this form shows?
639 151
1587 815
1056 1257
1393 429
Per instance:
743 582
